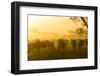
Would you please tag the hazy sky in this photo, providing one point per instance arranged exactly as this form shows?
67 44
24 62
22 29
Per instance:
50 27
55 24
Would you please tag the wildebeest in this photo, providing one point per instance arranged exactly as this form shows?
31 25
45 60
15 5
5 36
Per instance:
74 43
61 44
37 45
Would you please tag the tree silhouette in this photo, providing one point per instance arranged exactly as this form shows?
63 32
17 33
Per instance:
85 23
80 31
83 19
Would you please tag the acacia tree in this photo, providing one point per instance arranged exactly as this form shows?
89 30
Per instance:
80 30
85 22
83 19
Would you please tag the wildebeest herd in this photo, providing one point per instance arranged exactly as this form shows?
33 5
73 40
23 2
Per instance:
57 49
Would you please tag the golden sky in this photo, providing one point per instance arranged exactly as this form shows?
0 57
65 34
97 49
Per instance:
60 25
57 24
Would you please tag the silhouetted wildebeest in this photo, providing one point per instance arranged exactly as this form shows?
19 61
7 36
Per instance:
61 44
82 43
74 43
58 45
37 45
56 49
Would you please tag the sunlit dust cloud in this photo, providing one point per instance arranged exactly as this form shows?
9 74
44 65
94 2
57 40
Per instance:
50 27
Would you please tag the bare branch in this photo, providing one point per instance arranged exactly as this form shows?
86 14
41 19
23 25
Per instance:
84 21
